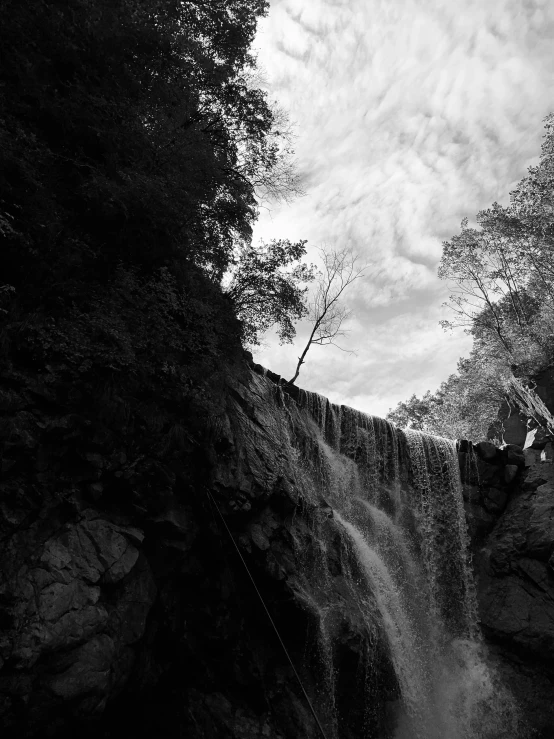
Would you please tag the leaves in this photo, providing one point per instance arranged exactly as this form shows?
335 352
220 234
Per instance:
139 137
502 280
268 286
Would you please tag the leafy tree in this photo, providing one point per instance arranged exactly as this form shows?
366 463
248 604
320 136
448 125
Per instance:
502 273
139 137
135 148
325 311
502 277
268 286
464 406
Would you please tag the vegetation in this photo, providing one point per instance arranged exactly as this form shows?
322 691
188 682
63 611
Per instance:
135 147
325 312
266 289
502 276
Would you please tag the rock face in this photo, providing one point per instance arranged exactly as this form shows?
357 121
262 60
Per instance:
511 518
124 605
57 587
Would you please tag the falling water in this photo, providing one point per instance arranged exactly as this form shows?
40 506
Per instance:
392 500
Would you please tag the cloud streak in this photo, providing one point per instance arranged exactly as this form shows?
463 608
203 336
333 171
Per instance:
410 115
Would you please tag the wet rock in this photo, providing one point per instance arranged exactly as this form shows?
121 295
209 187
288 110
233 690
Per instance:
464 446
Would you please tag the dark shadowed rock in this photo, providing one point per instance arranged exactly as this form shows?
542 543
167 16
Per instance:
513 454
495 499
510 472
486 450
515 582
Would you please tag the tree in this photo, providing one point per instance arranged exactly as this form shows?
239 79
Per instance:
502 273
268 286
325 312
487 282
502 276
463 407
140 138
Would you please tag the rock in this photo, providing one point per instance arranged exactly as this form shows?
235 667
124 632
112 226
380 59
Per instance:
495 499
89 672
489 474
514 563
464 446
259 537
127 620
510 472
486 450
99 615
514 425
480 522
472 493
547 454
176 520
515 430
537 438
95 489
540 526
514 454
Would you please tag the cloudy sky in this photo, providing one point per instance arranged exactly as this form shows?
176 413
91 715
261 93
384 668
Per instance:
409 115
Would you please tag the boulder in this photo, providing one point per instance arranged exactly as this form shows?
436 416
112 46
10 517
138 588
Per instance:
510 472
486 450
513 454
495 499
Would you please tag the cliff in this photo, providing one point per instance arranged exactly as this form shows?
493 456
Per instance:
123 601
125 606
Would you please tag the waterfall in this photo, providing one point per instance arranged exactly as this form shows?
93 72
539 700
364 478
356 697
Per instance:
392 512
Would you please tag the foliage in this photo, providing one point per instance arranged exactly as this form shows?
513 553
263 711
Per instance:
139 138
503 274
266 289
135 146
502 277
163 332
325 311
463 407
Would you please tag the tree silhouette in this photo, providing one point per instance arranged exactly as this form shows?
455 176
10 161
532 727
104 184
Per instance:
325 311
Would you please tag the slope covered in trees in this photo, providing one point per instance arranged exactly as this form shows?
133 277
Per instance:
502 277
135 147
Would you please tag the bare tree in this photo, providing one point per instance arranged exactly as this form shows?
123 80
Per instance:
325 312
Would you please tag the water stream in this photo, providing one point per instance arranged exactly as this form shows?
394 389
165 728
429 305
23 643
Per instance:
394 503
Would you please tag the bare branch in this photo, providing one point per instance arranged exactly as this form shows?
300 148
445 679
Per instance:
340 269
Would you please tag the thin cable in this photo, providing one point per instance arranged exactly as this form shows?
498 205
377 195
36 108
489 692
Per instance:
314 714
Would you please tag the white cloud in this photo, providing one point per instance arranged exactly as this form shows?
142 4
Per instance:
410 115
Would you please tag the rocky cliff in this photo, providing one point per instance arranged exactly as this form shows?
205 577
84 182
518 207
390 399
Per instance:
125 606
123 602
509 495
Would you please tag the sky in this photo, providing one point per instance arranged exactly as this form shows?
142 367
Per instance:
409 116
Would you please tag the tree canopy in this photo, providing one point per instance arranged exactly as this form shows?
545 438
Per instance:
136 145
268 286
502 279
130 132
